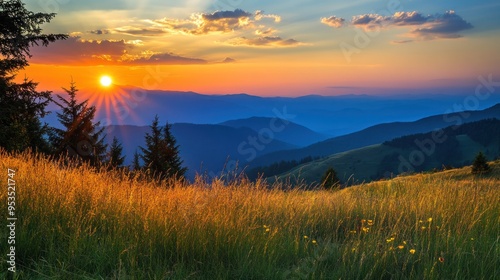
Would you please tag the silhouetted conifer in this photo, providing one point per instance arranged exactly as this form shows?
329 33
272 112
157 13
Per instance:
161 154
81 138
21 104
115 154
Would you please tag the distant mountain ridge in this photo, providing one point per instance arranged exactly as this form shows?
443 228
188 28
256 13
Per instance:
332 115
456 146
281 129
377 134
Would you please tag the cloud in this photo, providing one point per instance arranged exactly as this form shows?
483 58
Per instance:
223 21
259 15
425 27
230 22
367 19
266 32
371 21
220 15
333 21
205 23
266 41
409 18
402 41
74 50
228 60
99 31
447 25
238 21
140 31
219 22
164 58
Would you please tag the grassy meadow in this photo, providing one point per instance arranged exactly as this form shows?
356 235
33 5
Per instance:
76 223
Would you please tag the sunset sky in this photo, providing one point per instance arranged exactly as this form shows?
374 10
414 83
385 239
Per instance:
285 48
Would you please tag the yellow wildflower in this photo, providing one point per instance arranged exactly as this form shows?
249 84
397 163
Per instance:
412 251
370 222
401 247
314 242
306 237
429 220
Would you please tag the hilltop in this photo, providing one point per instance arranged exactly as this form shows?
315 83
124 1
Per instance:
77 223
456 146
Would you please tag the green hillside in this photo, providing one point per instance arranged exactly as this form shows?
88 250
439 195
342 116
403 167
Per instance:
377 134
404 155
77 223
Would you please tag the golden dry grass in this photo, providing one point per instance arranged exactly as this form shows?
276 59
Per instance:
77 223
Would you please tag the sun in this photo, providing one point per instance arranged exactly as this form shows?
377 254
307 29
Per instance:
106 81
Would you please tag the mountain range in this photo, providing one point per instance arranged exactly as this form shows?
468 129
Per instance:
329 115
377 134
260 141
453 146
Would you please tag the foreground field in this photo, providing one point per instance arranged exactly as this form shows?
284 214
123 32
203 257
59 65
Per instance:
74 223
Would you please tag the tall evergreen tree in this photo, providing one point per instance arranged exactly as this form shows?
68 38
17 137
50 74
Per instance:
20 125
136 164
22 105
161 154
115 154
174 161
151 153
81 138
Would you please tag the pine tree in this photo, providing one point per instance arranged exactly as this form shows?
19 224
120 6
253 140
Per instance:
151 153
20 125
81 138
174 161
330 180
136 164
22 105
161 154
480 164
115 157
